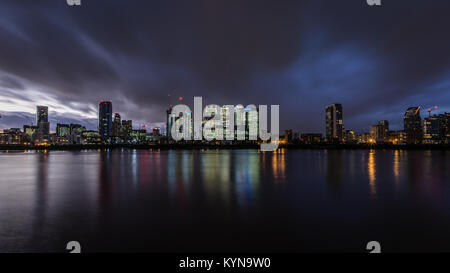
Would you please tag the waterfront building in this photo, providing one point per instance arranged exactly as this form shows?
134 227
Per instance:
413 125
42 123
91 137
76 128
382 131
116 126
431 130
251 122
30 132
334 124
138 136
444 128
11 136
170 122
62 130
311 138
105 120
288 135
126 128
350 136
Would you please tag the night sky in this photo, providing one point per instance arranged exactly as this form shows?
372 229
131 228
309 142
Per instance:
302 55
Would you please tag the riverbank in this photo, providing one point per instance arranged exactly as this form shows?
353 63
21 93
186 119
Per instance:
223 146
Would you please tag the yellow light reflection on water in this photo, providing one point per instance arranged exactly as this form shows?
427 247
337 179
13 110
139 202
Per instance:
396 165
372 173
279 165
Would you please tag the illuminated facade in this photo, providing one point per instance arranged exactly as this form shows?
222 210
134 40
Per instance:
11 136
170 122
444 128
91 137
215 126
138 136
30 131
126 128
311 138
62 130
251 122
382 131
431 130
228 122
76 128
116 126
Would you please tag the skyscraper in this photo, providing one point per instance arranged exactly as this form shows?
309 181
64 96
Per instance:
251 122
413 125
170 122
105 120
444 128
431 130
42 122
126 129
334 125
382 131
116 127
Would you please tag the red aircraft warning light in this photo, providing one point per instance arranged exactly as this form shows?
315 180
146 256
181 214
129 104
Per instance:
431 109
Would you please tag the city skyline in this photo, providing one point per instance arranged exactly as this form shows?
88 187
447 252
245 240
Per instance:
300 56
112 129
92 123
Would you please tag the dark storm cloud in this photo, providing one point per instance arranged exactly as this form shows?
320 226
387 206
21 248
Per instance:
303 55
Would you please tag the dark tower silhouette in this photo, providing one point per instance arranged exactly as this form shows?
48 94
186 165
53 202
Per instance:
413 126
105 120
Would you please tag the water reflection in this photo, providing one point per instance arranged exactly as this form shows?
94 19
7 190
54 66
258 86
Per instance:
371 168
334 168
41 201
396 167
166 200
279 165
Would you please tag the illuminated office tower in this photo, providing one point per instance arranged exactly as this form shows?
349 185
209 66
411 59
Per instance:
431 130
105 120
413 125
251 122
239 122
184 122
444 128
228 122
170 122
76 132
334 125
117 124
42 122
62 130
373 133
216 126
30 131
126 129
382 131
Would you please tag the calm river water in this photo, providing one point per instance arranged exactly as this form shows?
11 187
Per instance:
225 200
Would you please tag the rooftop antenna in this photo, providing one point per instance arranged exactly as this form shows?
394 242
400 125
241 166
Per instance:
431 109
